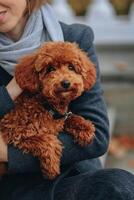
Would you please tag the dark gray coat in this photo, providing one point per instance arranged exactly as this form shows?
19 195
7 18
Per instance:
90 105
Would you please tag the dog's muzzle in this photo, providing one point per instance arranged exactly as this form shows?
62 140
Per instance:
65 84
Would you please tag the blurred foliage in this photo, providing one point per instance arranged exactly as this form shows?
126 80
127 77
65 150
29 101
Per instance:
79 6
122 7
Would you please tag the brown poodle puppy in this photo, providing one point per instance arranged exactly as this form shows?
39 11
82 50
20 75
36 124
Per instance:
56 74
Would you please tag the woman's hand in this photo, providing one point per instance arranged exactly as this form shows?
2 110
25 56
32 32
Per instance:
3 150
13 89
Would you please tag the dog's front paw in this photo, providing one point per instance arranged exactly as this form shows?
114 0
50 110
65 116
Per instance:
85 136
82 130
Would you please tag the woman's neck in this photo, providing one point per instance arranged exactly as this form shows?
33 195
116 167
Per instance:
17 32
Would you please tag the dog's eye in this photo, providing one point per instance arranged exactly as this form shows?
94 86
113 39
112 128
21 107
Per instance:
50 68
71 67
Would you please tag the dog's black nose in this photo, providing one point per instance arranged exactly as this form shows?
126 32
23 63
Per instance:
65 84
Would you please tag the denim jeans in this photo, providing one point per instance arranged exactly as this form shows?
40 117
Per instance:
106 184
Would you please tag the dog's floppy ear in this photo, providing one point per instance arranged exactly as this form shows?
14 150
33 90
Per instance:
43 60
26 75
39 62
87 70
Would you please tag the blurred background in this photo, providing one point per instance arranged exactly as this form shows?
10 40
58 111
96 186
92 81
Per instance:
113 24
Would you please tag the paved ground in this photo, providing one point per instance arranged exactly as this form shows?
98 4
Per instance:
126 162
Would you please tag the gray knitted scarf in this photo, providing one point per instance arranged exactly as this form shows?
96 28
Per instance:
42 26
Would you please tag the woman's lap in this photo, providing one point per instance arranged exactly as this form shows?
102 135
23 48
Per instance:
113 184
24 187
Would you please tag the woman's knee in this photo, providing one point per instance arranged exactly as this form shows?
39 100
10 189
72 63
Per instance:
114 174
117 183
113 184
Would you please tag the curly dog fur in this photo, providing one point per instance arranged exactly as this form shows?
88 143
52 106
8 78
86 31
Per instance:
58 73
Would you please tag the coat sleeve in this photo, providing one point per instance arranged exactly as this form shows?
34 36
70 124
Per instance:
91 106
6 103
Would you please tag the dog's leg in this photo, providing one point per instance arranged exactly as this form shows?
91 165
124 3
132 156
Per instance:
51 156
82 130
48 149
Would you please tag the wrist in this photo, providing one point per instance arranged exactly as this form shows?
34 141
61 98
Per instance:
13 89
3 150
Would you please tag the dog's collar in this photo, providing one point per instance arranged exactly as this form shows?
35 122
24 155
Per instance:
56 115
